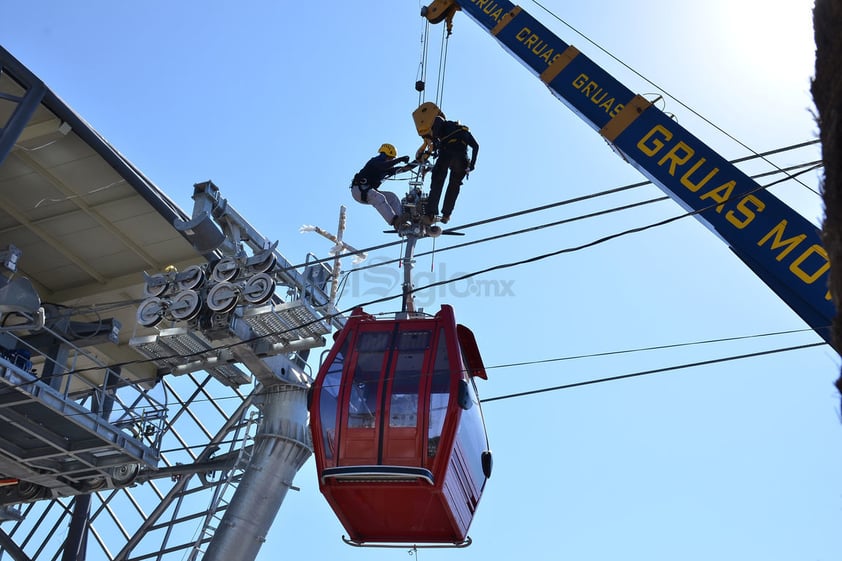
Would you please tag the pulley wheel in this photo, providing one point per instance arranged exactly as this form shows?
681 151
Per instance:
150 312
259 289
222 297
226 269
123 475
155 285
264 265
27 490
192 278
185 305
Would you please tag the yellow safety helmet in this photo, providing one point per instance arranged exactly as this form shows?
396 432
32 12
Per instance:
389 150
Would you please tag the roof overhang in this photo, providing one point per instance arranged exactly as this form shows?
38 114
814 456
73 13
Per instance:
87 223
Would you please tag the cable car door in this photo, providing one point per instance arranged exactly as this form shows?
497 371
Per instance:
384 417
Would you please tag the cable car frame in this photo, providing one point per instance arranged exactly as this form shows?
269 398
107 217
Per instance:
398 432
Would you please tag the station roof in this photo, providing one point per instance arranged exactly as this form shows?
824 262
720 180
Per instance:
87 222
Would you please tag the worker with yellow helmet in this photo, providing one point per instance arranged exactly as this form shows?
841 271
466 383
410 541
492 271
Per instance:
365 187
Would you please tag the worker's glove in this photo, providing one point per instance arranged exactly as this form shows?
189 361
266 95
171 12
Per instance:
404 159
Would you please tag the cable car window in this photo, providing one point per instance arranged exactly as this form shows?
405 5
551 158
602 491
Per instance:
439 395
403 405
329 402
362 403
472 435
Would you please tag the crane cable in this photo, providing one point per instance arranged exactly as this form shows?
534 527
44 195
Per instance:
421 76
417 180
445 39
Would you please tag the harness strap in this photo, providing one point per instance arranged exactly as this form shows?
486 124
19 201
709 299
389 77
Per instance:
364 189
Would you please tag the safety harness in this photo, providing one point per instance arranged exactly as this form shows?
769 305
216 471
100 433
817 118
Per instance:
455 133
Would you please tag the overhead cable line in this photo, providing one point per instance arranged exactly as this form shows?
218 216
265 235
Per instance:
522 231
95 308
755 155
581 198
607 378
495 267
98 308
570 249
361 268
571 219
653 371
469 275
646 349
465 276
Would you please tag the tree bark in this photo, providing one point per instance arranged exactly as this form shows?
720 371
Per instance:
827 96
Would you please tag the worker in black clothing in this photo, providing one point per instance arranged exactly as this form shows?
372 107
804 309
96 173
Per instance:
365 187
450 142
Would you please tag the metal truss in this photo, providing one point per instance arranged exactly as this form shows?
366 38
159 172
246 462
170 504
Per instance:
163 514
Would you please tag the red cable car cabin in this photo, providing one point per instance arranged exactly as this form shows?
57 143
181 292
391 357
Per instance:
398 434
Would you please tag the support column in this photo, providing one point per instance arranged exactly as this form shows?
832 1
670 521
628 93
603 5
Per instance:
282 445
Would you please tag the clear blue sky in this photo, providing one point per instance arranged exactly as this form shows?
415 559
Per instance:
280 103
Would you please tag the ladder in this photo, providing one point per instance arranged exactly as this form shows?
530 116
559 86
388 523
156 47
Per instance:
227 484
